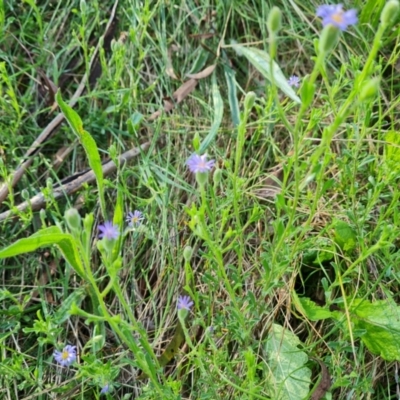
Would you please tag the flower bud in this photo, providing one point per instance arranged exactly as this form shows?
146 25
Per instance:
42 214
249 101
25 194
49 184
83 6
113 152
73 219
217 177
389 12
202 178
328 39
307 92
370 89
196 142
88 222
274 22
187 253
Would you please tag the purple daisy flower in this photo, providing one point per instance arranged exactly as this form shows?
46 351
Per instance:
108 230
198 163
294 81
336 16
184 303
105 389
134 218
65 357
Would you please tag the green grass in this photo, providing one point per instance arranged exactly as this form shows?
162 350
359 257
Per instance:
289 250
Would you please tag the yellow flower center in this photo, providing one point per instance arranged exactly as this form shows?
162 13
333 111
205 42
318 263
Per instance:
65 355
338 17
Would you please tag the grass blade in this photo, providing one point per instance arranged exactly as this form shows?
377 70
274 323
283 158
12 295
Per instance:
232 95
218 113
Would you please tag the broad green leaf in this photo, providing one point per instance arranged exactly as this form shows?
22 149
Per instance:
232 95
345 235
380 321
308 308
218 113
318 256
262 62
289 377
88 144
44 238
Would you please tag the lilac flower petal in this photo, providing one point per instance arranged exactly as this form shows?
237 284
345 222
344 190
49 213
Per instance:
334 15
184 303
65 357
351 16
294 81
198 163
108 231
326 9
105 389
134 218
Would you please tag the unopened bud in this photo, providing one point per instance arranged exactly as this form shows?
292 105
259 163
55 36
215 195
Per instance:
201 178
83 6
49 184
196 142
390 12
307 92
249 101
73 219
328 39
88 222
187 253
217 177
370 89
42 214
274 22
25 194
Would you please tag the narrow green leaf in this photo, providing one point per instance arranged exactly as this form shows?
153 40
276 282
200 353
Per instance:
63 313
71 116
173 347
88 144
218 113
9 329
370 11
232 95
380 321
262 62
2 18
44 238
289 377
